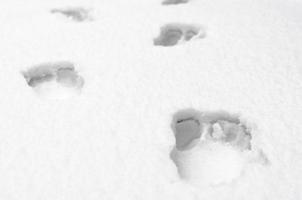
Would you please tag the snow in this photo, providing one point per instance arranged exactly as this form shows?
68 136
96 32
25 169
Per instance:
212 164
113 139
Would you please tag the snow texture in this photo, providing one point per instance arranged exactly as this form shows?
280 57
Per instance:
114 140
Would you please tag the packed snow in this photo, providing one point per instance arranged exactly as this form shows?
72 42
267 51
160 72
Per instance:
151 99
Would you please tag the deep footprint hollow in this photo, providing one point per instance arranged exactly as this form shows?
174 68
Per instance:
176 33
187 128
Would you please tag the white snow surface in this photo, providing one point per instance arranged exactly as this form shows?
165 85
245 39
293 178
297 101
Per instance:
113 140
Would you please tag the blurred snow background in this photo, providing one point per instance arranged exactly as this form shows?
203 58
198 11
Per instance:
113 140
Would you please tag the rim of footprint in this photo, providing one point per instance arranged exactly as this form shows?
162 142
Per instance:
54 79
172 34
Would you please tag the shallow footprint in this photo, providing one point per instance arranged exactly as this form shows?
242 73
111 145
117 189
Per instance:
187 129
54 80
77 14
212 148
176 33
173 2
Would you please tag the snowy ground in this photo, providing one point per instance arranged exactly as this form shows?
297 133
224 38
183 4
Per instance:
111 137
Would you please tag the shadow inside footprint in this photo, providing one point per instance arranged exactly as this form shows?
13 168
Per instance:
185 132
187 128
173 2
75 13
62 72
227 128
175 33
67 77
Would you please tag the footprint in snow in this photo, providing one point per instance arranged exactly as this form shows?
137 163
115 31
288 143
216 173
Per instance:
54 79
176 33
77 14
211 147
173 2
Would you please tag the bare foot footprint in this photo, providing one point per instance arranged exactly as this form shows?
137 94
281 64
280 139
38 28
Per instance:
177 33
77 14
54 79
212 148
